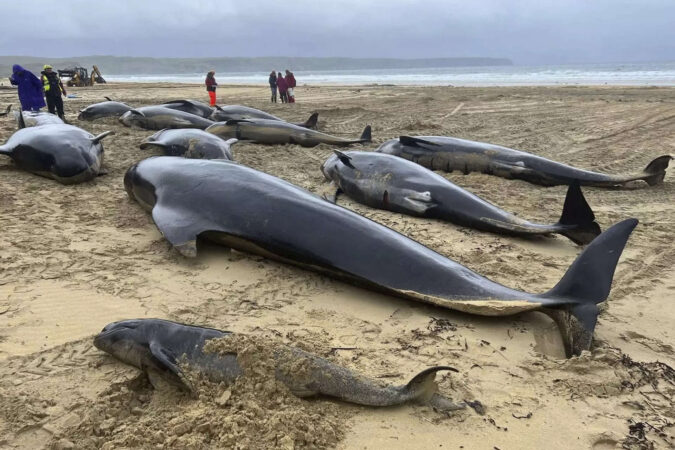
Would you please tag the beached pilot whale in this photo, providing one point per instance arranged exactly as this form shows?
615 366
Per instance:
159 347
190 106
7 110
275 132
160 117
257 213
449 153
36 119
388 182
100 110
190 143
65 153
238 112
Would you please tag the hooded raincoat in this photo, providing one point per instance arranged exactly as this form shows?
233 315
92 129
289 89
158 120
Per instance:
30 88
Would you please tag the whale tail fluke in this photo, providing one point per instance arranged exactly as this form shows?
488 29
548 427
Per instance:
311 122
20 120
366 136
422 386
585 284
577 213
655 171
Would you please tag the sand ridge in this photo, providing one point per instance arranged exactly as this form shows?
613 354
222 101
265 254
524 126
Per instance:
74 258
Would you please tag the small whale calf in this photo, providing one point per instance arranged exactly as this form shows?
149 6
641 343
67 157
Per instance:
254 212
275 132
190 143
160 348
101 110
449 154
395 184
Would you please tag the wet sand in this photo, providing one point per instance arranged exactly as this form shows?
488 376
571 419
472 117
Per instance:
74 258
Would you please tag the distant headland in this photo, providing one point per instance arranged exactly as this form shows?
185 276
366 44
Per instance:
143 65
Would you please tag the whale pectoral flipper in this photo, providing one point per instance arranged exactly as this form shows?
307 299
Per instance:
413 202
167 361
344 158
330 192
180 229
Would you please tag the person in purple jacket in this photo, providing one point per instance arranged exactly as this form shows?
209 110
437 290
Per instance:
30 88
283 88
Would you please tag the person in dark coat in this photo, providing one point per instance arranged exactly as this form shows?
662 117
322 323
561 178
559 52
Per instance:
51 83
290 81
30 88
211 86
283 88
273 86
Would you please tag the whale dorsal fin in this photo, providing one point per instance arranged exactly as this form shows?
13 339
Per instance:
344 159
415 142
107 98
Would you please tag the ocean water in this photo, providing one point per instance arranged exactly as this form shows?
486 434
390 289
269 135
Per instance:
637 74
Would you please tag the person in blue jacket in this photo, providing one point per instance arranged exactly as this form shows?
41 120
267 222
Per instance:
30 88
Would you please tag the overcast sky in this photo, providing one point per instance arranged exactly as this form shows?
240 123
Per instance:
527 31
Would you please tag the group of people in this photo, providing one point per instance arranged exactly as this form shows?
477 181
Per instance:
33 90
285 85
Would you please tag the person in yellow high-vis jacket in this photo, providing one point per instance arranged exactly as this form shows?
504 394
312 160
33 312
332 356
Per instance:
54 89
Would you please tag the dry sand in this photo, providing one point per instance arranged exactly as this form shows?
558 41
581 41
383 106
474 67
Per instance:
73 258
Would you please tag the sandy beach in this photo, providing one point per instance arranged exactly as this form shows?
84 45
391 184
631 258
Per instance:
74 258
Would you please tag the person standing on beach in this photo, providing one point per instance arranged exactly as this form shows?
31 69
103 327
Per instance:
211 86
290 81
30 88
283 88
54 89
273 86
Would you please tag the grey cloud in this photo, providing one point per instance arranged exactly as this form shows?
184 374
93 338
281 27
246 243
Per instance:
527 31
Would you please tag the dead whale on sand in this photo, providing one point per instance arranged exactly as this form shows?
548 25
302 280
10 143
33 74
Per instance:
387 182
36 118
160 117
190 106
254 212
190 143
449 154
238 112
161 348
274 132
101 110
66 153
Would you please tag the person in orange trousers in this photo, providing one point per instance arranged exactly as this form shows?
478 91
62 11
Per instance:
211 86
